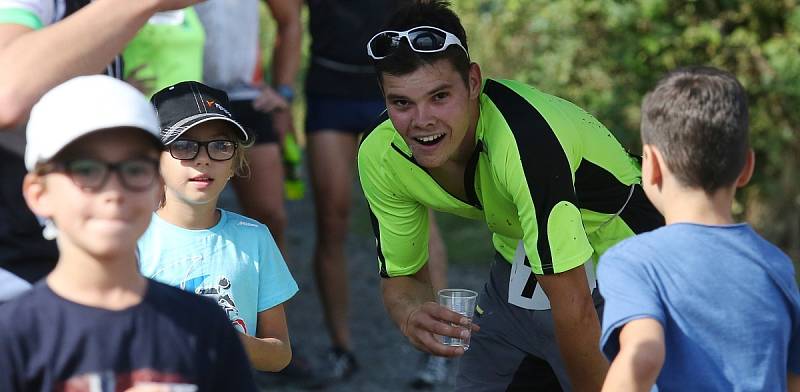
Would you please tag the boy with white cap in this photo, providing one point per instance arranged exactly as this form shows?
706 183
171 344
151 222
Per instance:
95 323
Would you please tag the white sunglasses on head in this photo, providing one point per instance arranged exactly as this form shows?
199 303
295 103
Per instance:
422 39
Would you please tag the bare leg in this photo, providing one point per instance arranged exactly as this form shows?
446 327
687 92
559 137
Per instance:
332 157
261 194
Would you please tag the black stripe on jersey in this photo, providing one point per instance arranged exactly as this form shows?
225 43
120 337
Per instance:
469 176
372 218
381 259
640 215
598 190
378 121
544 162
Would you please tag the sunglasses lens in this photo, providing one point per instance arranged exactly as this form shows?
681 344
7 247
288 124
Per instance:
426 40
382 44
184 149
221 150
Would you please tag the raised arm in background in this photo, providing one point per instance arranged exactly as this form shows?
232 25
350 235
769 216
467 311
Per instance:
33 61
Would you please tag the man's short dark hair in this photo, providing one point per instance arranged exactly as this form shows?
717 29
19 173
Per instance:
436 13
697 118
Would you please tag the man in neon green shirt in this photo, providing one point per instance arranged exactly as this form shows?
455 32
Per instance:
553 185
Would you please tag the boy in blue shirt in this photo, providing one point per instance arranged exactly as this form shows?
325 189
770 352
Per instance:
703 303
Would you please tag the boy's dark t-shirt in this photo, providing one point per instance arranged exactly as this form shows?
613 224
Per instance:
48 343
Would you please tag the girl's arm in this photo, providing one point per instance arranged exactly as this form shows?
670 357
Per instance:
270 350
640 357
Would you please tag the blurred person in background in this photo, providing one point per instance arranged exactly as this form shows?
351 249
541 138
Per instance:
343 99
230 61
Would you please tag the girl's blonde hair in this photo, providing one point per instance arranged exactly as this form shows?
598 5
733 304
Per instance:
241 166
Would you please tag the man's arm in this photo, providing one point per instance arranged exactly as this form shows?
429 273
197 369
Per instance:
640 357
32 62
577 327
410 303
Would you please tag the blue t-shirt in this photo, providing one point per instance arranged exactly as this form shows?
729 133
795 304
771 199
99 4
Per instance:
236 262
48 343
726 298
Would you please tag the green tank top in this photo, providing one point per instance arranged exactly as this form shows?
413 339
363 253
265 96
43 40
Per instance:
170 46
544 172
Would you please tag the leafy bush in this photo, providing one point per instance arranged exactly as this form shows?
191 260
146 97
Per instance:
604 55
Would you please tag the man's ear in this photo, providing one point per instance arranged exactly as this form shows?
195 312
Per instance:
747 171
653 164
474 80
36 196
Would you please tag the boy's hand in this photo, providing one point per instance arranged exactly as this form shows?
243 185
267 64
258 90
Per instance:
431 319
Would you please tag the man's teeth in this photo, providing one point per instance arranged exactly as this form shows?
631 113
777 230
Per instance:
429 139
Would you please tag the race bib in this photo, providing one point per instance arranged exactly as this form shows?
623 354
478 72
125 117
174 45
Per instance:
523 289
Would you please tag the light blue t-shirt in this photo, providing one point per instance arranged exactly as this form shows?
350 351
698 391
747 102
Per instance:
726 298
236 262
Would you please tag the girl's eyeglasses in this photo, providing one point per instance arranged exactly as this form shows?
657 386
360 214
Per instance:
217 150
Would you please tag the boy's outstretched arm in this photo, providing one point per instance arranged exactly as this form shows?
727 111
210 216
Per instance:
270 350
640 357
794 382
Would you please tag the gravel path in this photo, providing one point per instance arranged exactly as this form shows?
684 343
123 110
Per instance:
387 361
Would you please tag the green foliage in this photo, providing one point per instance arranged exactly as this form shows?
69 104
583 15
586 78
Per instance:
604 55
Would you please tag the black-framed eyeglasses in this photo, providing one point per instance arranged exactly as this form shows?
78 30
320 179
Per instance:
217 150
423 39
135 175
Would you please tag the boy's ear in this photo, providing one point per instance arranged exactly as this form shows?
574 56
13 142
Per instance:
35 194
654 165
747 170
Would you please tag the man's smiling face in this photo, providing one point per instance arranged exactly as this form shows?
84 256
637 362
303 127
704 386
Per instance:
431 109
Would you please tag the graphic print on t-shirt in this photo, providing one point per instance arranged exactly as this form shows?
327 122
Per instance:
110 381
221 292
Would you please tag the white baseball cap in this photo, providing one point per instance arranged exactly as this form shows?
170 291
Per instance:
81 106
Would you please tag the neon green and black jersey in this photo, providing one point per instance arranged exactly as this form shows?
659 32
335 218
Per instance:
543 171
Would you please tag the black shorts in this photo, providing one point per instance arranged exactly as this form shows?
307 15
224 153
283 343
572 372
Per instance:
341 114
258 124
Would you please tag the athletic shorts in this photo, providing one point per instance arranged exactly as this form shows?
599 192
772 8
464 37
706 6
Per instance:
341 114
258 124
516 348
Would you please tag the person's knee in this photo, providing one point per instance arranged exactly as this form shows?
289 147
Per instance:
333 219
275 218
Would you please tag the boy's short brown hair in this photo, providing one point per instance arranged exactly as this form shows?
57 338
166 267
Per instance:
697 117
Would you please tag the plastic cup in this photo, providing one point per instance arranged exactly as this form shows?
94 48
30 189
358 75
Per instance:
461 301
